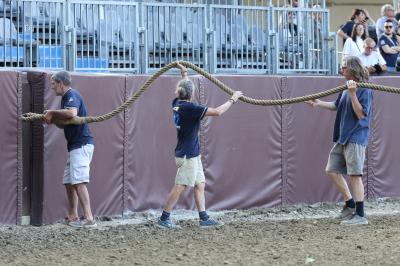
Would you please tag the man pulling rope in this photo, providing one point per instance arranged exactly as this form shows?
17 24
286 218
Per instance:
187 116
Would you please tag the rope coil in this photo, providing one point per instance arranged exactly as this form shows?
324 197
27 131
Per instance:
90 119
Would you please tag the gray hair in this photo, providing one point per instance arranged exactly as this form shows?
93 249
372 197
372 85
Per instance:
185 89
63 76
385 8
369 40
356 68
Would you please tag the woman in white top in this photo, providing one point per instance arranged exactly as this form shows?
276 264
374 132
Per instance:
354 45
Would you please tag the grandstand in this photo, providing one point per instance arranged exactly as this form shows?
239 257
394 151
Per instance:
221 36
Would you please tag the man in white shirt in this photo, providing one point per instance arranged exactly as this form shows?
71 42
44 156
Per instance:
372 59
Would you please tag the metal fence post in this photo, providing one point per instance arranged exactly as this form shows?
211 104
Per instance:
69 38
142 32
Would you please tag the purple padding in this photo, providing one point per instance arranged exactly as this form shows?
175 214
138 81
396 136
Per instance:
242 148
102 94
10 139
307 140
151 139
384 147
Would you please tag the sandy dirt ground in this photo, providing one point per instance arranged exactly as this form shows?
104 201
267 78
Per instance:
294 235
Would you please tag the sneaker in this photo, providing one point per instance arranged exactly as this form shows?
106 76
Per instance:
83 223
210 223
68 220
356 220
167 224
346 213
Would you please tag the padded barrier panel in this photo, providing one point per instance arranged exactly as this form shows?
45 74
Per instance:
242 148
384 145
11 148
307 139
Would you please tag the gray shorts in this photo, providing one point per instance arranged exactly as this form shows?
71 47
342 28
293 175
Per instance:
346 159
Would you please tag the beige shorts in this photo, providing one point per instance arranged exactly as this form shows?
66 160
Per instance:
189 171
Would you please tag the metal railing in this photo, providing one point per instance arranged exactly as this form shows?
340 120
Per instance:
141 37
31 33
240 39
174 32
104 35
302 40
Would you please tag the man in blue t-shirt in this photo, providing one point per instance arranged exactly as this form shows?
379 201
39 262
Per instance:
389 47
187 116
80 149
350 135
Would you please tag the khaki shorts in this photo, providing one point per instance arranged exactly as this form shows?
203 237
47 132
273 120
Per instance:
189 172
346 159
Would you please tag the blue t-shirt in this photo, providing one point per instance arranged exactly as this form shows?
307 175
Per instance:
187 116
348 128
348 28
76 135
389 58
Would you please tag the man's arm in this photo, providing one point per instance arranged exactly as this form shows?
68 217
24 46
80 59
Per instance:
390 50
183 71
224 107
342 34
355 103
62 114
325 105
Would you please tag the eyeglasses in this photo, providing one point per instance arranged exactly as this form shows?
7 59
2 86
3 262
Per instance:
388 27
344 67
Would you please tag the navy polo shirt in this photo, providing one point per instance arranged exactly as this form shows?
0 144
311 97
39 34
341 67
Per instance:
348 128
187 116
76 135
390 59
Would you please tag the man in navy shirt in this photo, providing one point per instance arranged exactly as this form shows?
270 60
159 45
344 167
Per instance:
187 116
388 46
350 135
80 149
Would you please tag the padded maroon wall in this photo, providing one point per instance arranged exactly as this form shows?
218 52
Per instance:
307 140
242 149
384 145
11 148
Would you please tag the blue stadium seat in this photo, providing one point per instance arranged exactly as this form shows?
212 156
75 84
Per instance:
84 22
11 53
91 62
50 56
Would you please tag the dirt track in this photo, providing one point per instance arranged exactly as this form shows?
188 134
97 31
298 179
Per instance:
278 236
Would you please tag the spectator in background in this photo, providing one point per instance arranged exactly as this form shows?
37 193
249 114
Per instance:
389 46
293 3
317 37
358 16
372 59
387 12
354 45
